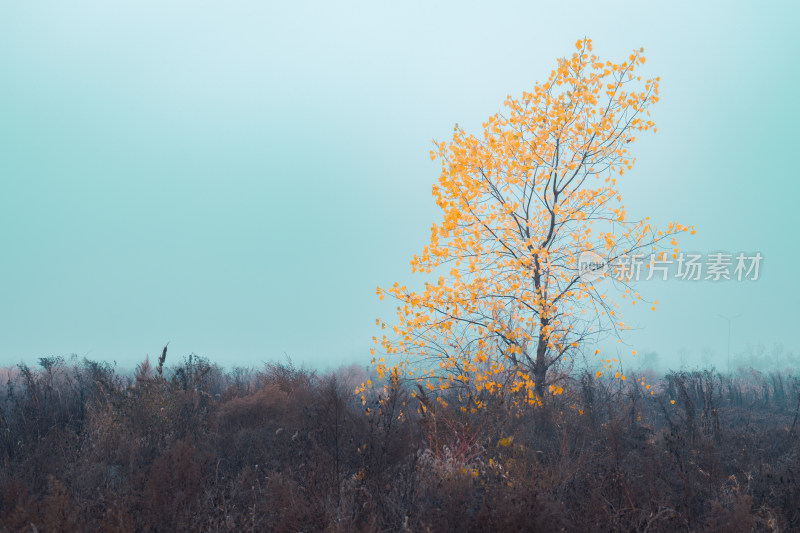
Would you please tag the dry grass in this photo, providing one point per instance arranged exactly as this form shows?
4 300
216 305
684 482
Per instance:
282 449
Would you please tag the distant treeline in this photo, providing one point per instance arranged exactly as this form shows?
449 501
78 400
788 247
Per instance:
195 448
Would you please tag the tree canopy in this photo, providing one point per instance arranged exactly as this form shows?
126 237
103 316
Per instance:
522 204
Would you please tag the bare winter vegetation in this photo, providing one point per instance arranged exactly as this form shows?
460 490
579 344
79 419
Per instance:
193 448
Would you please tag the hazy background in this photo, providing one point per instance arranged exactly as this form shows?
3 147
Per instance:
237 177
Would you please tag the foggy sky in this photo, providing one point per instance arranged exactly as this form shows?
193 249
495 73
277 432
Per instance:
236 178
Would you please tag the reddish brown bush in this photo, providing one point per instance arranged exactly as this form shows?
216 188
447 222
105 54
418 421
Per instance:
82 448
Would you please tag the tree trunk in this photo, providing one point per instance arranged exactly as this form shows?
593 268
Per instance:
540 368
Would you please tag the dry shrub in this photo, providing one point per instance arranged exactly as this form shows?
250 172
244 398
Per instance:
267 406
283 449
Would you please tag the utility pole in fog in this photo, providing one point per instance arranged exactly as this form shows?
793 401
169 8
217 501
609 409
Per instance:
729 319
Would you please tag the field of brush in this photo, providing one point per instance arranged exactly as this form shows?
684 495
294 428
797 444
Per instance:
196 448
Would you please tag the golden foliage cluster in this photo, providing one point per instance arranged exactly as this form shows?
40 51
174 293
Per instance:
520 203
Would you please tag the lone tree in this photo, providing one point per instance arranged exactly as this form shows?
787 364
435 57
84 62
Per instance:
523 205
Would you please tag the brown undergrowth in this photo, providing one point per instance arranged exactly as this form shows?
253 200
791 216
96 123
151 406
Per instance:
193 448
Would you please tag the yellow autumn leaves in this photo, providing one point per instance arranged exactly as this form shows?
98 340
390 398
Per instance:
519 204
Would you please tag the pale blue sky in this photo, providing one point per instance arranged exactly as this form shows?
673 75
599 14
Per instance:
237 177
